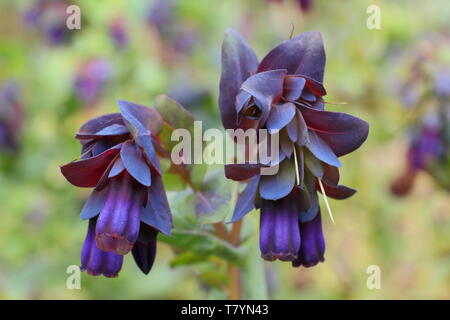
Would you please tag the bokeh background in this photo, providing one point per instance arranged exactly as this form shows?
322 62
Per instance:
52 80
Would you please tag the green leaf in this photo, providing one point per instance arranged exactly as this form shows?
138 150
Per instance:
174 117
203 244
212 201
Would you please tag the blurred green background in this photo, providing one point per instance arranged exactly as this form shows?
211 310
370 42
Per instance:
177 51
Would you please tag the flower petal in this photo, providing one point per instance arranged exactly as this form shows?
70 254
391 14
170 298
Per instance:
96 261
144 252
312 248
118 223
279 234
303 55
238 63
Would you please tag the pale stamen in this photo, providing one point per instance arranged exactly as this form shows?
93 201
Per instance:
326 200
296 165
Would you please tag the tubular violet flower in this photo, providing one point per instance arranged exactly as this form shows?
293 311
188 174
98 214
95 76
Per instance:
91 79
11 116
128 206
284 94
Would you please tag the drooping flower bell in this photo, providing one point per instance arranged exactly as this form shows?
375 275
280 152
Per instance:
128 206
11 116
90 80
49 18
283 94
119 33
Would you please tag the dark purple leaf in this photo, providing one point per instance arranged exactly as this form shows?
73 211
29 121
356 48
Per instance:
93 204
342 132
286 145
308 96
268 161
135 164
101 145
112 130
321 150
302 55
279 185
146 144
86 173
246 200
330 175
313 164
241 171
117 168
157 212
313 209
266 89
280 116
139 119
339 192
94 125
292 129
315 87
241 99
238 63
104 179
293 87
302 135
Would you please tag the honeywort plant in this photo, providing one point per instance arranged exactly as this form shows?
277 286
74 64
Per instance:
128 206
284 93
426 95
125 156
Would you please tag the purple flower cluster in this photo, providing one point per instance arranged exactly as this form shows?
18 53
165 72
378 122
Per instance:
284 94
128 206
